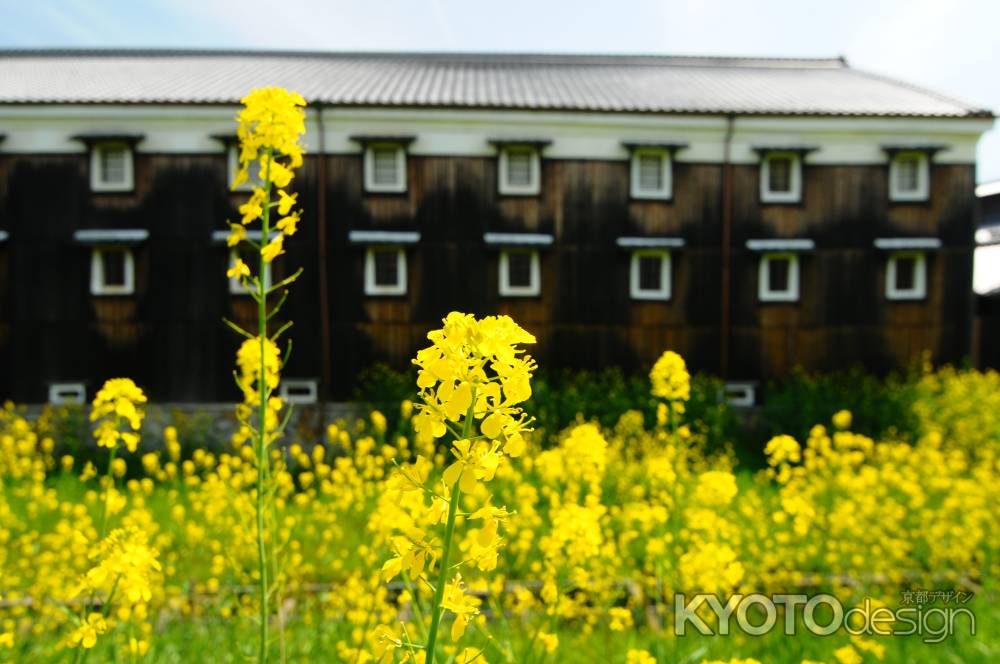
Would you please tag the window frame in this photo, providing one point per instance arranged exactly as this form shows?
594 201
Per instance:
794 194
764 291
97 184
376 290
77 399
923 190
504 187
533 289
665 192
236 287
97 284
919 290
740 394
311 384
373 187
636 292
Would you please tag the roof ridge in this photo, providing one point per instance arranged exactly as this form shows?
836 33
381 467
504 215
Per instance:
662 59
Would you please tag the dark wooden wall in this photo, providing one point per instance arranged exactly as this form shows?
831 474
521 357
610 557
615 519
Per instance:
170 338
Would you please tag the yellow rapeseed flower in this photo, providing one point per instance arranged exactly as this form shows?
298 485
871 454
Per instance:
118 399
85 635
273 249
842 419
463 606
239 270
671 382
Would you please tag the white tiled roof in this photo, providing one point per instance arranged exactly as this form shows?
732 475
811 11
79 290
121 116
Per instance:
653 84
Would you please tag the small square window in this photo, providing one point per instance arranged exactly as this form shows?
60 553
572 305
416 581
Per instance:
386 268
385 168
906 273
251 257
781 178
908 174
779 174
519 273
519 171
111 167
298 391
906 276
112 271
909 177
778 274
64 394
650 275
651 176
778 278
385 271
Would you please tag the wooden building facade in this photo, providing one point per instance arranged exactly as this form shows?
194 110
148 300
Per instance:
750 240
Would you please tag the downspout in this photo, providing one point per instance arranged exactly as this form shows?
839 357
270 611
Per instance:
324 302
726 249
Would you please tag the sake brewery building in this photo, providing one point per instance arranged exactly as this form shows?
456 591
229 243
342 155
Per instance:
752 214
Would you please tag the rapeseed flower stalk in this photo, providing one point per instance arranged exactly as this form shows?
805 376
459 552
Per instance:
671 382
124 576
117 410
119 399
271 125
117 403
472 379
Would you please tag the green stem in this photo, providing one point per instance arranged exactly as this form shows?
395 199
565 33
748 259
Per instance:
105 612
449 530
415 601
262 456
107 493
81 654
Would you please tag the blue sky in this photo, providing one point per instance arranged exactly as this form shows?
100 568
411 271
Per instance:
946 45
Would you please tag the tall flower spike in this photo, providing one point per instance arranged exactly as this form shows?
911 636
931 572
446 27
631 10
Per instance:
473 376
271 125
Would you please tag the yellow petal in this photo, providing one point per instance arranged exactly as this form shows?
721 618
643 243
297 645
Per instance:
452 473
468 481
492 425
458 627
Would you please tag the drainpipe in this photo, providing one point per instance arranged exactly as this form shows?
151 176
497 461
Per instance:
324 302
727 239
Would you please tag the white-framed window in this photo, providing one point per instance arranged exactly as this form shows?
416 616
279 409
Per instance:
781 177
649 275
111 166
909 176
112 270
233 165
906 275
651 174
778 277
520 273
251 257
519 171
64 394
301 391
385 168
743 395
385 270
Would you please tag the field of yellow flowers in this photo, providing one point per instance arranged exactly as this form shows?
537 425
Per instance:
568 550
464 532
